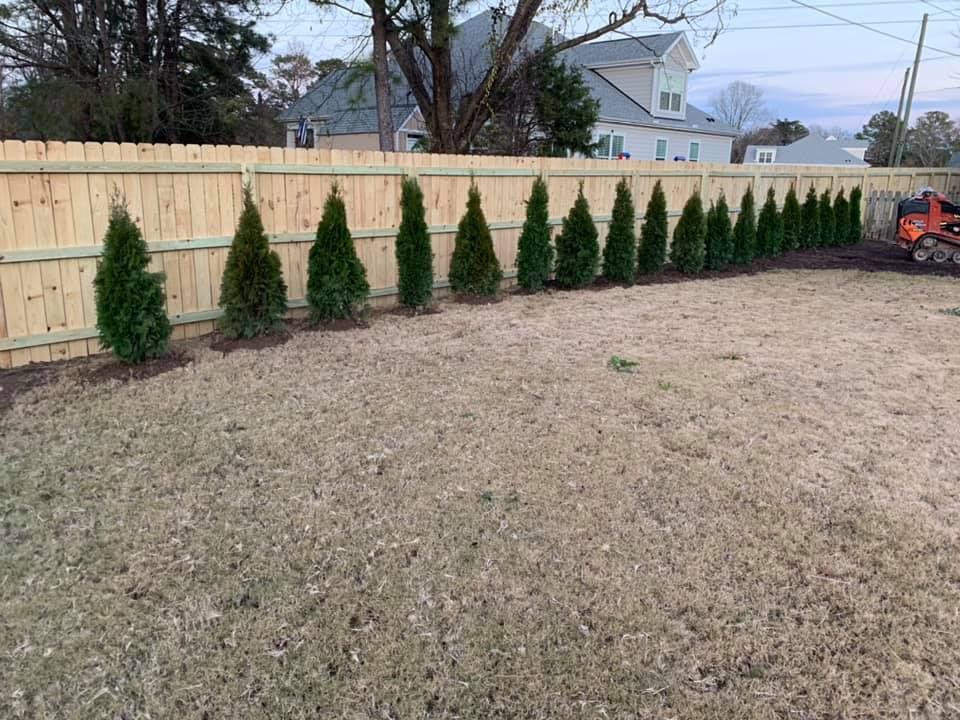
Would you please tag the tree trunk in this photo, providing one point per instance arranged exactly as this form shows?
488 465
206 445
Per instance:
381 75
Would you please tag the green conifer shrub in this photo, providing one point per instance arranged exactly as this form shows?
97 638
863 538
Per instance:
719 248
827 238
578 250
474 267
131 318
745 230
413 249
810 220
769 228
653 233
856 219
841 219
534 251
791 220
253 294
689 238
620 252
336 279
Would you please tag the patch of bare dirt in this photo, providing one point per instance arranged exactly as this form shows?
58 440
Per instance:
467 299
259 342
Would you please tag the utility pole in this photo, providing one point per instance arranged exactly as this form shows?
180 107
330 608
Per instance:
897 125
913 85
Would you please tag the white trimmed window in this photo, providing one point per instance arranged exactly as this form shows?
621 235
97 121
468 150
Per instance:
660 153
766 157
671 91
694 154
609 146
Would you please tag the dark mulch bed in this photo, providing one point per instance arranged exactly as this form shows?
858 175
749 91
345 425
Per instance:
869 256
229 345
92 370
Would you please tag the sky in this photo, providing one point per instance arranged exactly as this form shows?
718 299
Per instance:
831 76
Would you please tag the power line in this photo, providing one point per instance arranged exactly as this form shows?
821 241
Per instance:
942 10
798 26
829 5
867 27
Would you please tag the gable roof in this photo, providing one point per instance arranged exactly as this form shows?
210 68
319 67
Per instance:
810 150
346 98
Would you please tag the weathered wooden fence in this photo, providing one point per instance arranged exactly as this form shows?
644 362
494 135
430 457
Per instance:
54 208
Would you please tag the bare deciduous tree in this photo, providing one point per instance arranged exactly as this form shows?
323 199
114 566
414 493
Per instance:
420 35
739 105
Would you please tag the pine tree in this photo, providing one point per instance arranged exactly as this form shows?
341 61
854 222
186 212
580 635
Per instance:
131 318
810 220
841 219
413 249
653 233
856 220
534 251
769 228
474 268
745 231
791 220
336 279
827 238
719 247
620 252
689 238
253 294
577 248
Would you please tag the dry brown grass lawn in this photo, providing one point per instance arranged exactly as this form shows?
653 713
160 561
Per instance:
470 515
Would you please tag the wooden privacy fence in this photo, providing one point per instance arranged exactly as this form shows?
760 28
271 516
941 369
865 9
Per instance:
55 198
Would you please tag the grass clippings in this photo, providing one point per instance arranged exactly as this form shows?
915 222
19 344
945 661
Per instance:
470 516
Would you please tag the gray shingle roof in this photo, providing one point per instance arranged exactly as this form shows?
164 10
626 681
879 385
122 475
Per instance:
811 150
646 47
348 102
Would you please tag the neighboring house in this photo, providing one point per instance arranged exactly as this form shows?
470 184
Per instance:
641 84
810 150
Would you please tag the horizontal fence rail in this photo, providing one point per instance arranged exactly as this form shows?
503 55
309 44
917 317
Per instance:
55 204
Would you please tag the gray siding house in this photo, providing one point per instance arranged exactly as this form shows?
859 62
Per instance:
641 84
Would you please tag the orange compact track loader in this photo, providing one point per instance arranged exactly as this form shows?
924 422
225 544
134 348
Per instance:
928 225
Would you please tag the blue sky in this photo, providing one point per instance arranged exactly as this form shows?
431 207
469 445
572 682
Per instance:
832 76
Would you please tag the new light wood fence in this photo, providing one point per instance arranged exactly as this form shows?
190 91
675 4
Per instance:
54 208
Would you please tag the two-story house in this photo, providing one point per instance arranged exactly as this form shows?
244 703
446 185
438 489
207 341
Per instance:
641 85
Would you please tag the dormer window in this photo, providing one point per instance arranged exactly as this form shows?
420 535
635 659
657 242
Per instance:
672 84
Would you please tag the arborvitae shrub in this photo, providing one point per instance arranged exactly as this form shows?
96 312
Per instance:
336 279
577 247
719 247
745 231
620 252
253 294
534 251
769 228
791 220
841 219
689 238
856 220
474 268
653 233
827 222
131 318
810 220
413 249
